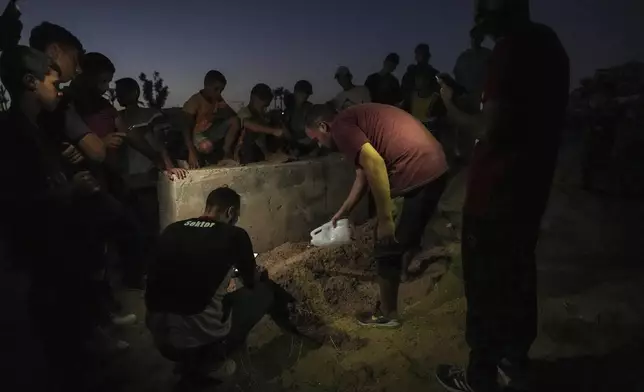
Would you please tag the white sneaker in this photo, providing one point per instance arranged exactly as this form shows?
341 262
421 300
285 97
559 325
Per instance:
125 320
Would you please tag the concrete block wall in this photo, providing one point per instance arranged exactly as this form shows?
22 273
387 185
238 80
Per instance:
280 202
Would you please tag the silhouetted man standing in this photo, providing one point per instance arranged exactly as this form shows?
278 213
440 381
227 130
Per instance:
383 86
422 66
513 163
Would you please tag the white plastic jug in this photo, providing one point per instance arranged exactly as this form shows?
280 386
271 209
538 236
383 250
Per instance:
327 235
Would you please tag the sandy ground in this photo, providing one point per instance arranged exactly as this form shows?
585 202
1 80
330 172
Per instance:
591 335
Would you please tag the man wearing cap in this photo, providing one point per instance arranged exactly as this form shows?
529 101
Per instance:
351 94
519 128
383 86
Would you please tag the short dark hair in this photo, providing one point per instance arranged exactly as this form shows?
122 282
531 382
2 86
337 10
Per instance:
263 92
128 84
19 61
422 48
303 86
393 58
95 63
223 198
46 34
318 113
213 76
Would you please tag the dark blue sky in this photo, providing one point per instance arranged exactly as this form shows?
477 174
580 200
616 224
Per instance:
279 42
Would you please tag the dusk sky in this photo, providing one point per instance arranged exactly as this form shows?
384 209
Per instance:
280 42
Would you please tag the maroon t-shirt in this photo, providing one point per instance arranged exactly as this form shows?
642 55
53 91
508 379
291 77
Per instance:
412 155
511 171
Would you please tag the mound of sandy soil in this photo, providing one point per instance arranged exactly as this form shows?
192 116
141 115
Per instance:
339 280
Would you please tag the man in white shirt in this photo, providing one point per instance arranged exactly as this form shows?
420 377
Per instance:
350 94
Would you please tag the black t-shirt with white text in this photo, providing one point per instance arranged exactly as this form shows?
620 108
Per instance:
193 257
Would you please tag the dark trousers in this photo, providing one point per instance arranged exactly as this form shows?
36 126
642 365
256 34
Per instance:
248 307
63 315
500 285
106 219
418 208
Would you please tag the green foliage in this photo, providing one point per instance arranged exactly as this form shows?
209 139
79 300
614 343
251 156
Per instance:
155 92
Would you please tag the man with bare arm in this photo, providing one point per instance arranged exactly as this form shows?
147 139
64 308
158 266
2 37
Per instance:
394 156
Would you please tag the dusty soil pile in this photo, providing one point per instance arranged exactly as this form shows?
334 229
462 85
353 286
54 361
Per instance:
320 278
341 280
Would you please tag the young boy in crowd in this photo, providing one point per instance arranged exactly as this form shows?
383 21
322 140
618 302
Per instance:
143 123
213 126
255 126
148 126
296 109
421 99
43 192
103 119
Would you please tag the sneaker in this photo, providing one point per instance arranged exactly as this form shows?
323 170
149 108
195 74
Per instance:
453 378
125 320
377 319
514 376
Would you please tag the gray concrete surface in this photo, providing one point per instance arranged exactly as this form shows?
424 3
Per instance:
280 202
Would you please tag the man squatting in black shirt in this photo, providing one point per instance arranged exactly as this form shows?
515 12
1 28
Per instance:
193 319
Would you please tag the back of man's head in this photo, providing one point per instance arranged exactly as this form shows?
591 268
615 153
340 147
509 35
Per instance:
320 113
393 58
20 62
97 63
213 76
46 34
303 86
222 199
128 85
263 92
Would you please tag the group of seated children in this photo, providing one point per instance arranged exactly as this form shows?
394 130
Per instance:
215 133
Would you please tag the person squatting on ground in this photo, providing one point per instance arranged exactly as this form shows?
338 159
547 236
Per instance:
394 156
43 202
193 319
212 126
252 144
519 131
297 105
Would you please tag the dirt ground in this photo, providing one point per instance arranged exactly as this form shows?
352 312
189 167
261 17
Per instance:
591 335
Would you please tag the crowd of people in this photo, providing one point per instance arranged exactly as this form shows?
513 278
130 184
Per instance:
76 199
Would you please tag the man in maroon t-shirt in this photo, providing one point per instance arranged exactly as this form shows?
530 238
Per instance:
394 156
519 131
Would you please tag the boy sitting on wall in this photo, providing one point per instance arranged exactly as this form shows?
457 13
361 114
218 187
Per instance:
255 127
213 126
